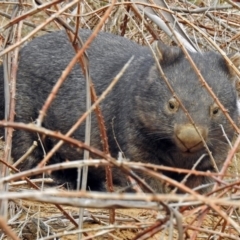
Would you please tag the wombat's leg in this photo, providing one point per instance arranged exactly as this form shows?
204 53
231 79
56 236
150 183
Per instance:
22 141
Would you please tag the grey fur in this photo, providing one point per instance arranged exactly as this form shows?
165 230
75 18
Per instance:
137 109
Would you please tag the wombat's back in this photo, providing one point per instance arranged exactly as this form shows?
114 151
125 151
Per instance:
47 56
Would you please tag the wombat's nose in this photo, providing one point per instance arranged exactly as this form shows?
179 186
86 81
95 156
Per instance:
188 139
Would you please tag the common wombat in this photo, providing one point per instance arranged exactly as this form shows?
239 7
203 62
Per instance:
141 112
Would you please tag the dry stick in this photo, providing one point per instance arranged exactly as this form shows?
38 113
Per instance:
29 13
219 104
149 231
48 168
41 26
106 200
11 111
224 169
200 217
236 70
59 207
200 9
37 180
81 163
82 58
83 117
85 67
70 66
158 226
14 3
229 159
84 64
206 85
126 200
173 169
231 153
123 26
69 217
53 17
226 58
174 94
3 169
27 23
235 37
167 208
100 233
224 190
146 24
235 5
215 233
170 87
205 209
104 138
16 45
7 230
190 173
32 32
32 127
96 229
82 178
75 164
210 15
222 225
29 151
203 199
78 24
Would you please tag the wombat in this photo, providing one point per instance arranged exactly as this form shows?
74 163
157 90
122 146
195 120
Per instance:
143 118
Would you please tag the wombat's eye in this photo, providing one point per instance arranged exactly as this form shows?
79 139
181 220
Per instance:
173 105
214 109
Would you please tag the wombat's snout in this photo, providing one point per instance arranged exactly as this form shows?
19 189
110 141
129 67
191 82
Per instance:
188 139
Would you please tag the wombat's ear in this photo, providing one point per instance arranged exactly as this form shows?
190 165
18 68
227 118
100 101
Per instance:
166 54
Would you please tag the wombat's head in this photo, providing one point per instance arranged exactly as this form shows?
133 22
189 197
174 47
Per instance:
165 124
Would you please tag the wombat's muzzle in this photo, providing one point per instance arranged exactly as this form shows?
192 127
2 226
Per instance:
188 139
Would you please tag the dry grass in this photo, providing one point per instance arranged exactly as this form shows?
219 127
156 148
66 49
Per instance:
33 214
